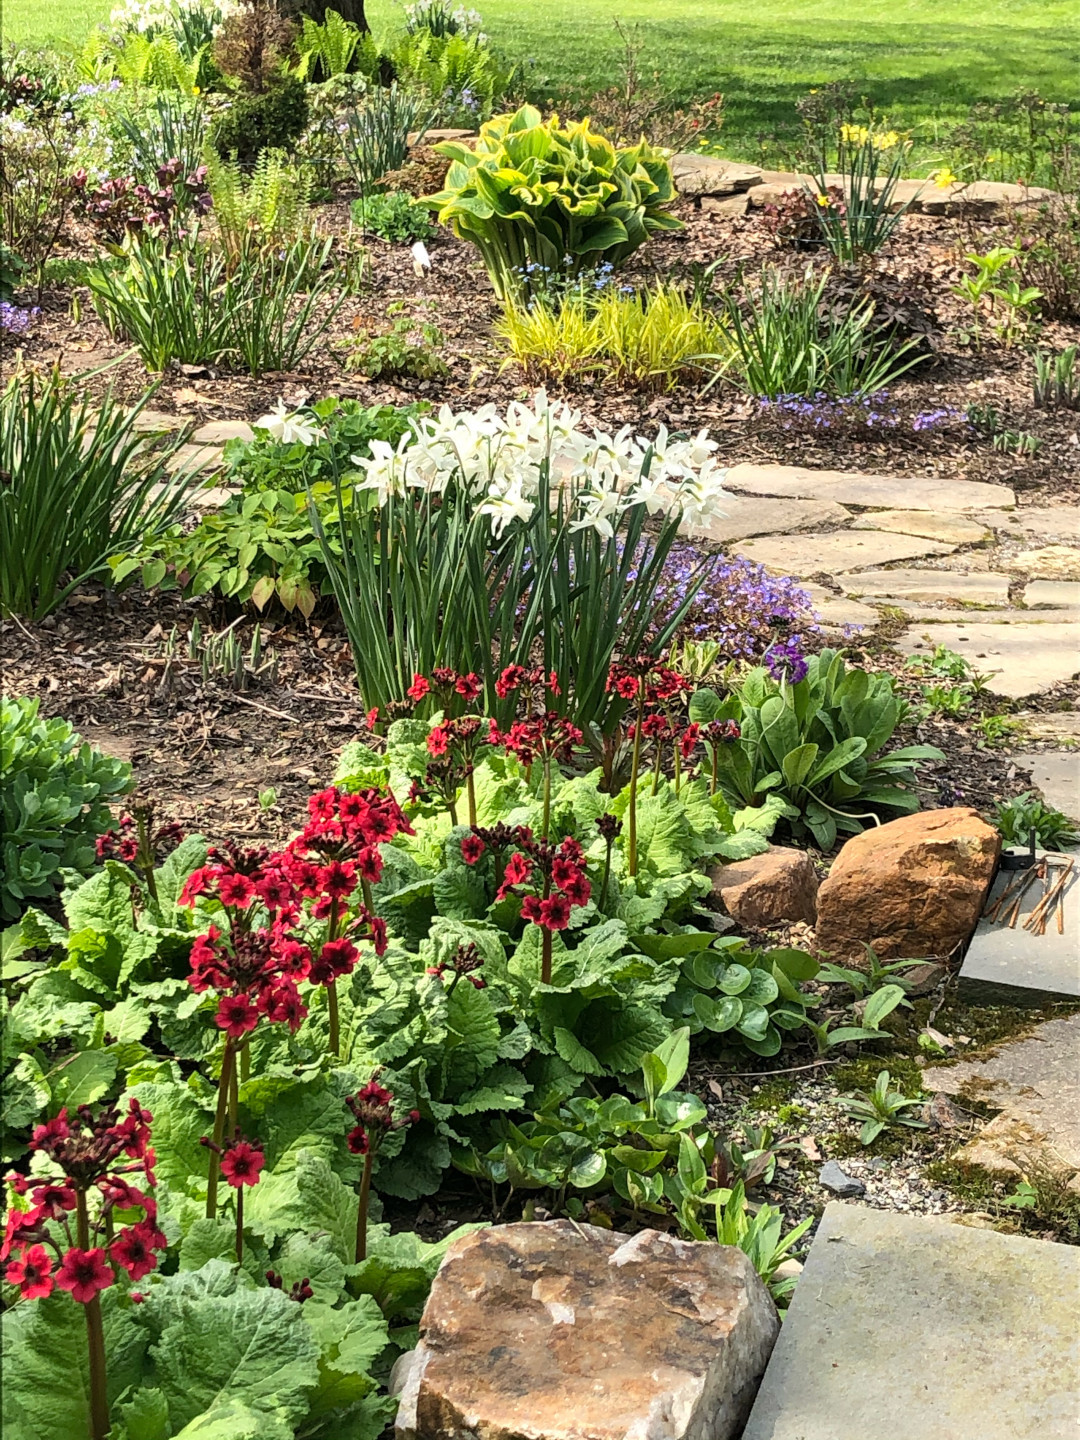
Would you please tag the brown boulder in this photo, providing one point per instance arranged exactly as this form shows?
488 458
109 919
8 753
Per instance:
914 887
780 884
564 1332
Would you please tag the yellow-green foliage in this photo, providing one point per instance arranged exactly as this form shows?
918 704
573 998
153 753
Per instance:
650 339
269 206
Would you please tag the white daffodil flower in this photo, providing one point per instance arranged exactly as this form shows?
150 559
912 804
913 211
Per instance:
420 258
287 427
505 507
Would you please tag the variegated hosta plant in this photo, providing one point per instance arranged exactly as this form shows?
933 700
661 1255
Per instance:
538 197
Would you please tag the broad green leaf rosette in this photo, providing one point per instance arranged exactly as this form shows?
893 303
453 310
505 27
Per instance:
538 194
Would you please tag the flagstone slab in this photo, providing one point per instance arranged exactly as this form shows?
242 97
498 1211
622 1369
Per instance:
194 458
896 586
1008 965
1049 562
746 515
216 432
906 1327
990 616
1048 522
710 175
931 525
1034 1085
911 492
157 421
1053 594
1057 774
984 197
1060 725
837 552
1028 659
839 610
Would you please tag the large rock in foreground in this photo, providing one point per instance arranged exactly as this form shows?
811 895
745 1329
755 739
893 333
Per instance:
564 1332
912 887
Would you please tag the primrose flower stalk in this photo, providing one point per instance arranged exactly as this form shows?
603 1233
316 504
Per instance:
88 1149
373 1109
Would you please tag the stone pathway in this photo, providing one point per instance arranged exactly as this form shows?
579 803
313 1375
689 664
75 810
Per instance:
954 557
730 187
908 1328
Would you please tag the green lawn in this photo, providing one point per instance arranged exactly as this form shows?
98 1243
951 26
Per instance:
919 60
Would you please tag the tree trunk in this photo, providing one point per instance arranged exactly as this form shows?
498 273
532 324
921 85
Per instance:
348 10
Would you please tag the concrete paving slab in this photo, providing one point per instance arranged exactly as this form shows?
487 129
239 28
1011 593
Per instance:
1011 966
910 492
836 552
952 529
982 587
1034 1085
1028 658
904 1327
216 432
746 515
1057 774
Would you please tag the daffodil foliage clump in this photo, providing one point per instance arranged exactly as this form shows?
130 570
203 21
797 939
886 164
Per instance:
503 537
535 193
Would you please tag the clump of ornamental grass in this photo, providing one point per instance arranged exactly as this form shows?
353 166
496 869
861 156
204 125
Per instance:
650 340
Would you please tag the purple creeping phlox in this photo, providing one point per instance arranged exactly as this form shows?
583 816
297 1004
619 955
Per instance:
853 414
740 605
16 319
